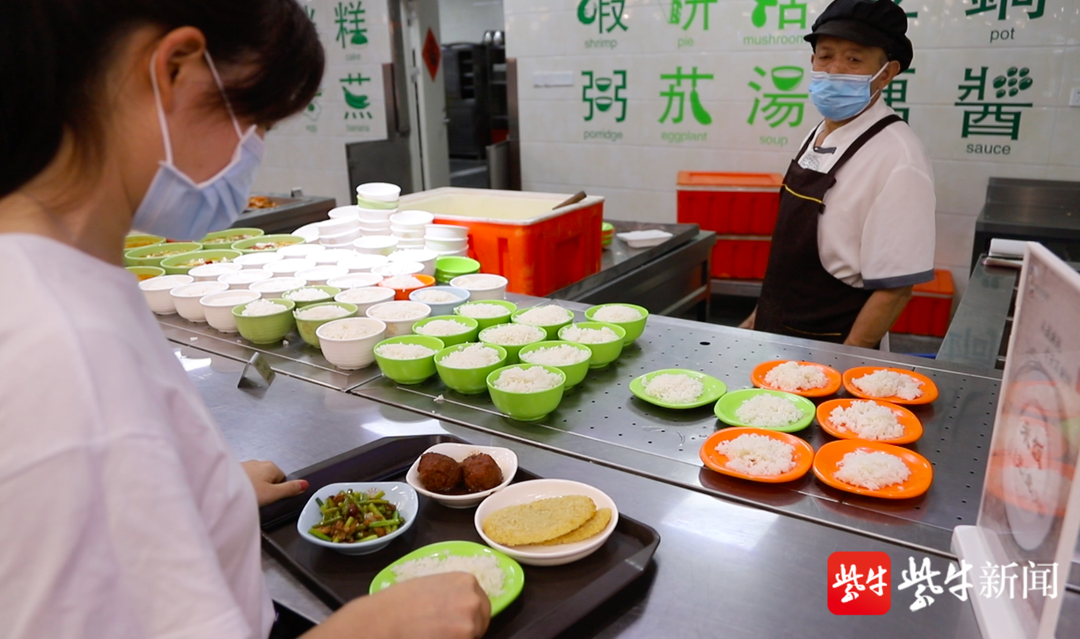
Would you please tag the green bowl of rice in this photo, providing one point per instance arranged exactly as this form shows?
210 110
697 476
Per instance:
408 359
549 317
603 339
485 312
311 294
630 317
451 329
264 321
465 367
571 359
526 392
309 318
512 337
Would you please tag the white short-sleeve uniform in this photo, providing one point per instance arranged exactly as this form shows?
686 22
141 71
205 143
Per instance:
878 227
123 513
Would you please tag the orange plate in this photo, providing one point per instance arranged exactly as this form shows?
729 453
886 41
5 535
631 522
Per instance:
828 458
804 454
833 375
912 426
929 388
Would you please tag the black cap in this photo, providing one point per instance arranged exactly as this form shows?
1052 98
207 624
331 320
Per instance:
874 23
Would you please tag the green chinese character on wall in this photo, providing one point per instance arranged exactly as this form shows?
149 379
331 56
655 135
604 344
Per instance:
601 94
895 95
790 12
677 10
987 117
351 23
785 105
359 103
607 14
676 96
1002 7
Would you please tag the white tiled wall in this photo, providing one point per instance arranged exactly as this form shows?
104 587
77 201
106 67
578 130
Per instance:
634 166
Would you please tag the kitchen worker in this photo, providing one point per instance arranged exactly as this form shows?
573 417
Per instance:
855 229
123 513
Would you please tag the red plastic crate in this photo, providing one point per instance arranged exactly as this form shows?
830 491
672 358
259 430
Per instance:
740 259
730 203
930 307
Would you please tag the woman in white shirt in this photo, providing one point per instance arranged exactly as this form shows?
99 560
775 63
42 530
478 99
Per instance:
124 513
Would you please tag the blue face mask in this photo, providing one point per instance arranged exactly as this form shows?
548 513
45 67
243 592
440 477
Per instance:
841 96
176 207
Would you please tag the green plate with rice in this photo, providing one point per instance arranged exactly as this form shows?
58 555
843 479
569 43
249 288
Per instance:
712 388
727 409
456 551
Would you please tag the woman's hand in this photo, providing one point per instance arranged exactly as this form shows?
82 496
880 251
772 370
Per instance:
268 482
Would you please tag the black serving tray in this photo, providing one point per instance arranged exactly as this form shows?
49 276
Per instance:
554 597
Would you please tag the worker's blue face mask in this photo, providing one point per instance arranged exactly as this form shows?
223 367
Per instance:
841 96
176 207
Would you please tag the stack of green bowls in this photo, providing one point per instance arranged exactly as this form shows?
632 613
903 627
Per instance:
607 233
447 268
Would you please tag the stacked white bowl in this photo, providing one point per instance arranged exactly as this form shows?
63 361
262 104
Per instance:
447 239
421 256
376 202
342 228
408 227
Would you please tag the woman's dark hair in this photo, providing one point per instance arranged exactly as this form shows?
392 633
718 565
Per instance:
54 55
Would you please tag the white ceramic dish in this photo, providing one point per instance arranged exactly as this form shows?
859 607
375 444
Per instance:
334 226
396 327
375 244
352 353
301 250
398 493
504 457
381 294
308 232
442 244
441 308
210 272
375 215
398 268
332 256
405 243
245 278
218 308
290 266
341 239
446 231
379 192
406 233
186 298
482 286
275 286
156 291
322 274
354 280
528 491
418 219
344 212
363 262
258 260
422 256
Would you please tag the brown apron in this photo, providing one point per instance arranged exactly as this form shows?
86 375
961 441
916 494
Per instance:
799 297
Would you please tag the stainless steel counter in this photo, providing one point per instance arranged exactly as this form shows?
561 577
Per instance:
722 569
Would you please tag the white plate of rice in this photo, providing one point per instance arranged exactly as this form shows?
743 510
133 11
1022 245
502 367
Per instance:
873 469
678 388
757 454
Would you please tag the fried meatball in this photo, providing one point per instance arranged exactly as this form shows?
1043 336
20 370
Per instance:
439 473
481 472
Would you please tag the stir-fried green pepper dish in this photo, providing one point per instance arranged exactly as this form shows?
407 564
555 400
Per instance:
354 517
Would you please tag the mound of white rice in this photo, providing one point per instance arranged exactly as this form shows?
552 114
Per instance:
527 380
589 335
263 307
435 297
674 389
768 411
548 315
617 314
309 294
482 311
868 420
322 313
442 328
883 383
758 455
397 311
404 351
472 356
793 376
402 281
874 470
346 330
363 295
484 567
561 355
513 334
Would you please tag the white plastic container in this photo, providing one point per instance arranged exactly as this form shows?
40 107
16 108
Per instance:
332 256
446 231
354 280
218 308
375 215
275 286
333 226
186 298
395 327
210 272
482 286
379 192
365 297
391 269
351 353
421 256
156 291
344 212
412 219
245 278
258 260
363 262
290 266
444 244
300 250
320 274
376 244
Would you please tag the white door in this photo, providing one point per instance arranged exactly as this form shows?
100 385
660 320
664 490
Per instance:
424 53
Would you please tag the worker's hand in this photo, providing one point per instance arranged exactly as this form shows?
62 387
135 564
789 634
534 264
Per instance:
269 482
447 606
749 322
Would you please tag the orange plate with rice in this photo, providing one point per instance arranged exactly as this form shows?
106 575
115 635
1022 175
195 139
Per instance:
757 377
715 460
828 457
929 388
913 429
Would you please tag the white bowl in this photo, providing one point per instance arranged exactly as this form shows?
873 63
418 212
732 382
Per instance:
446 232
412 218
363 262
218 308
354 280
344 213
275 286
320 274
462 253
338 225
482 286
369 225
308 232
156 291
210 272
365 297
395 327
382 232
258 260
420 256
441 308
368 216
528 491
340 239
186 298
333 256
290 266
504 457
406 232
245 278
301 250
398 268
351 353
379 192
376 244
442 244
398 493
410 244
